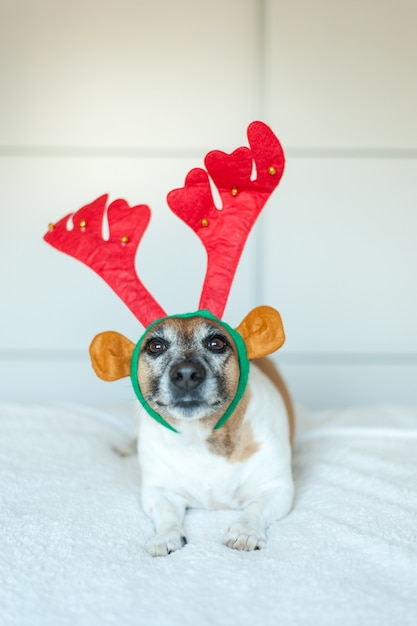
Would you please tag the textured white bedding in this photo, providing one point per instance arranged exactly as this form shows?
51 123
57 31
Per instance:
73 534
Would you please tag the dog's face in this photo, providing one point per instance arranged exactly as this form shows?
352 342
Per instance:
188 368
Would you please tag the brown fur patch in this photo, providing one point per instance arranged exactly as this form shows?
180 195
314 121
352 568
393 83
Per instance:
268 368
144 376
234 440
184 327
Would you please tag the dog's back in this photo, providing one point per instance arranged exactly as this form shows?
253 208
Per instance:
267 366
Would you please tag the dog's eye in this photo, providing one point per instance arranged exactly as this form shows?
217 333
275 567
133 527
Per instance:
156 346
216 344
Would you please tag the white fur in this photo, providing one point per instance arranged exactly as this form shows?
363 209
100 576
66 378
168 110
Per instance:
179 471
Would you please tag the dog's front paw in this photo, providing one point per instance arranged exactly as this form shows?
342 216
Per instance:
245 536
165 543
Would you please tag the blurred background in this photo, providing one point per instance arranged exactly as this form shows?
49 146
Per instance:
126 96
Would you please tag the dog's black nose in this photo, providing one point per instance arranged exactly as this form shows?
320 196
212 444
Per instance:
187 375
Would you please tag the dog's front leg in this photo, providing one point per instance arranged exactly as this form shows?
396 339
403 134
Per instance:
248 532
167 510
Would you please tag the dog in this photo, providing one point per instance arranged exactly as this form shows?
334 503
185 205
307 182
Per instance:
222 430
188 371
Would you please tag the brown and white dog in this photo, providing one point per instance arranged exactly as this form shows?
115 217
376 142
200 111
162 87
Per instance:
188 370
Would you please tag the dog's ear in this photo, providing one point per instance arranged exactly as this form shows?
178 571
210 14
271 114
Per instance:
110 354
262 331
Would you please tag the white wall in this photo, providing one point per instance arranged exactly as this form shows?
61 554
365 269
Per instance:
126 96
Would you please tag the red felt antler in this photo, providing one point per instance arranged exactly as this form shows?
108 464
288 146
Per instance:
224 232
112 259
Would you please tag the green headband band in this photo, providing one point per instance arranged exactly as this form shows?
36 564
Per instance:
242 358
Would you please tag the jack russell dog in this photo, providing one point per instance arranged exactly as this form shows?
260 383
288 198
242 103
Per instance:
187 372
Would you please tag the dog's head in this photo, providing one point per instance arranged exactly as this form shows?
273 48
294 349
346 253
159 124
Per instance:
189 367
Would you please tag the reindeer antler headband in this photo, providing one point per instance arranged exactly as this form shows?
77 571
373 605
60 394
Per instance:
245 179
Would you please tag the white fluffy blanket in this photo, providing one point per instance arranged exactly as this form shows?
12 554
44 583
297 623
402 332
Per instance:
73 534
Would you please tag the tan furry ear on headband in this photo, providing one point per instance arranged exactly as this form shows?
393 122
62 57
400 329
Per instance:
110 354
262 331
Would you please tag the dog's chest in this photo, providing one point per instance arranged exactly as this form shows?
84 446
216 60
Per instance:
190 470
